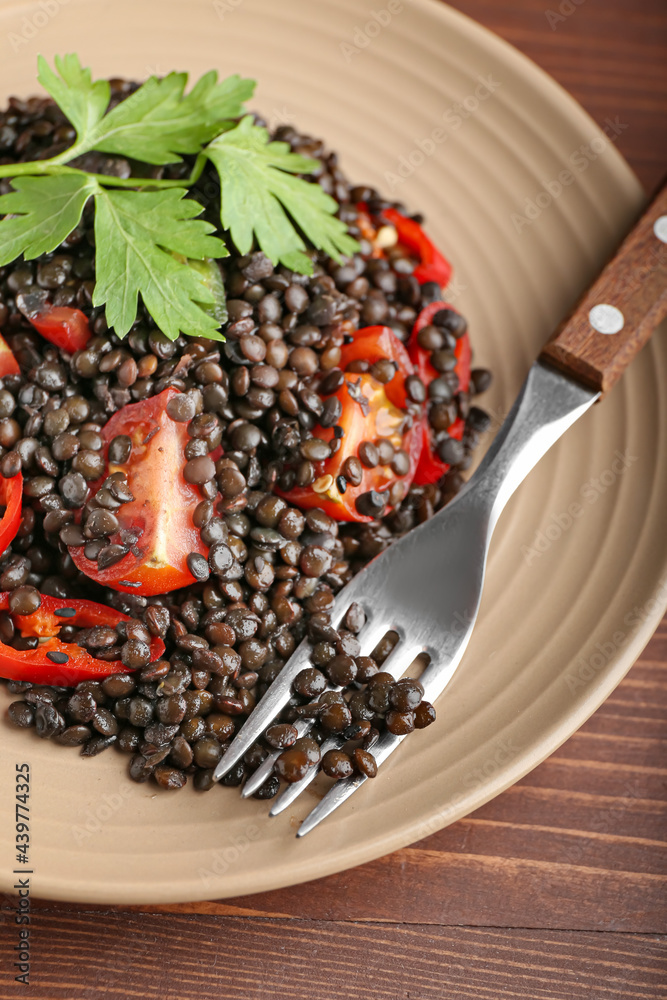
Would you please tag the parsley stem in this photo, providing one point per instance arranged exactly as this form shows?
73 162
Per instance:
198 168
51 167
19 169
136 182
78 149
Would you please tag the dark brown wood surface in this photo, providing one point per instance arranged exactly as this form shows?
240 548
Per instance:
635 283
556 890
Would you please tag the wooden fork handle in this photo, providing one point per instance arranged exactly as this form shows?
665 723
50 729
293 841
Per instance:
617 315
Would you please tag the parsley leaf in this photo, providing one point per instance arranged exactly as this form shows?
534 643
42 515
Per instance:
257 191
83 101
155 123
41 212
149 241
210 272
140 233
158 122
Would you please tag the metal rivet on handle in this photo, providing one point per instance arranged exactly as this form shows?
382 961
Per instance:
660 228
606 319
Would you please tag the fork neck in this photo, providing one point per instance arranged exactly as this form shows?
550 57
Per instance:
547 405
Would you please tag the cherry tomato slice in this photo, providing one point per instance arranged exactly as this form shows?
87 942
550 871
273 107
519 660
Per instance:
163 505
8 363
370 411
431 468
11 494
373 343
36 666
367 415
63 326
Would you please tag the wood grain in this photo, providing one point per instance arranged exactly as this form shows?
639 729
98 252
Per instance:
553 891
635 283
187 957
608 54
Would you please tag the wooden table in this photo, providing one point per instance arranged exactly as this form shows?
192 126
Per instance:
551 891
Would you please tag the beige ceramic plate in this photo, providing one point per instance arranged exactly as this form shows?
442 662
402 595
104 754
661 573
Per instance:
433 109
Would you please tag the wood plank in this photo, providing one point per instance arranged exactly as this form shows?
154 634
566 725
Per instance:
447 889
609 55
226 958
605 747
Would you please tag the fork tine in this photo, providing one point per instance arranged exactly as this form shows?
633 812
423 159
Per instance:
280 692
396 663
265 769
435 678
342 790
293 791
335 797
257 779
272 702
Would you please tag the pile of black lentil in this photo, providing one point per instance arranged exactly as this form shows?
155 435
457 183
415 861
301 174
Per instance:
273 570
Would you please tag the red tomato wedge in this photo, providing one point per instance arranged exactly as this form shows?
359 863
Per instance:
373 343
63 326
163 505
370 411
70 663
11 494
8 363
431 468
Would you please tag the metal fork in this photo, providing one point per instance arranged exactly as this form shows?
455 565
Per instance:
427 586
407 588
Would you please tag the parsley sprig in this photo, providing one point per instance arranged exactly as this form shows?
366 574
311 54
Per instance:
150 241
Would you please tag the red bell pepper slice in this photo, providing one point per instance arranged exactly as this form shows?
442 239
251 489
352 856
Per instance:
433 266
420 357
8 363
431 468
11 494
37 666
63 326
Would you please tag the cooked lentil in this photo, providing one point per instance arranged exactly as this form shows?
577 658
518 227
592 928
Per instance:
272 571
